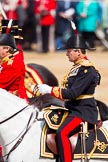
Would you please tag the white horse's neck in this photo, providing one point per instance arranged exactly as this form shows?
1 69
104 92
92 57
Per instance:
11 130
29 148
10 101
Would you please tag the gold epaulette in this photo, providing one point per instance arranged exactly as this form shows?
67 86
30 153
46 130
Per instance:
86 63
64 81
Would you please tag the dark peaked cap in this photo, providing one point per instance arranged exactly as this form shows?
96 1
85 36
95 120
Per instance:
8 40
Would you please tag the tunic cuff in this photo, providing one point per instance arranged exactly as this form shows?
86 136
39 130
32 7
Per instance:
56 92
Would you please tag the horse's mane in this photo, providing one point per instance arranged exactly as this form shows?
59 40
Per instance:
45 101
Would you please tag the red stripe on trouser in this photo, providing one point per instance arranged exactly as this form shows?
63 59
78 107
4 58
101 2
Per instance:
1 154
0 150
64 133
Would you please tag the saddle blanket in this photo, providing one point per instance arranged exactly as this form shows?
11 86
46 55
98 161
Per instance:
96 141
95 148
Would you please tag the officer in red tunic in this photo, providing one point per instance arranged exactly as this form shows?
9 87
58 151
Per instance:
78 92
12 69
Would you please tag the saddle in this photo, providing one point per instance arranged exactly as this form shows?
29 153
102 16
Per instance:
90 142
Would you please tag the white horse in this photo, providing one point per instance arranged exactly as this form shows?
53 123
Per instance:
20 132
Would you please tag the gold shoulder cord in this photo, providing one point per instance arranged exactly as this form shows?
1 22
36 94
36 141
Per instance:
87 63
64 81
7 59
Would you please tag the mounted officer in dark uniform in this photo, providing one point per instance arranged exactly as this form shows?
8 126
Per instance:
77 92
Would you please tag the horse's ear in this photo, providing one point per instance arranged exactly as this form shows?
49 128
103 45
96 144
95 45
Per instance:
103 109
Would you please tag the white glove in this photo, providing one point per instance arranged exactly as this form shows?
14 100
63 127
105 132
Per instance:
44 88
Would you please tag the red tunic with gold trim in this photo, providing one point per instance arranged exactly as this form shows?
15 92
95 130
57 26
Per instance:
12 73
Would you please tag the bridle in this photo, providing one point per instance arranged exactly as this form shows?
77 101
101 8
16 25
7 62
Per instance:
10 117
26 129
